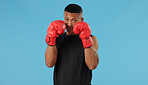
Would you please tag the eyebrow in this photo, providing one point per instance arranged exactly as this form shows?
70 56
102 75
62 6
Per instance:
72 18
65 17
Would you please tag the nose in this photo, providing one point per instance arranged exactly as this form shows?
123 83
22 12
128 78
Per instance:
69 24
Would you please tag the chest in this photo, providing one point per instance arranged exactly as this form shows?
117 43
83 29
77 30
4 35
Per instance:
70 50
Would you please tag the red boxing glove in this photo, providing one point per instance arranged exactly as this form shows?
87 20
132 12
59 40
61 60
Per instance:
84 30
55 28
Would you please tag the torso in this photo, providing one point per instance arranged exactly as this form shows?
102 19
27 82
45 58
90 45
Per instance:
70 68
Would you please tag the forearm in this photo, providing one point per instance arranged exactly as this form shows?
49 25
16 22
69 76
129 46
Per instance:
51 56
91 57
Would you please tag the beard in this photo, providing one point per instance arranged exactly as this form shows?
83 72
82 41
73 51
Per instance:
70 30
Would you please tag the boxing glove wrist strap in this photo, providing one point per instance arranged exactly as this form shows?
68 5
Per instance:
50 40
87 42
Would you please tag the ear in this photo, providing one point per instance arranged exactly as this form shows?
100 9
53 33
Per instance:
82 19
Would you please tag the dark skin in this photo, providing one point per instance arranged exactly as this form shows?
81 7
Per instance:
91 55
70 20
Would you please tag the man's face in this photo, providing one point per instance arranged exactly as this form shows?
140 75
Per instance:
71 19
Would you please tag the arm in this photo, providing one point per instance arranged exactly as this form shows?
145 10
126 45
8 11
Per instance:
55 28
91 55
90 44
51 56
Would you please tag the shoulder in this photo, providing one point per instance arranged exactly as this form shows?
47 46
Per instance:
60 38
94 38
95 42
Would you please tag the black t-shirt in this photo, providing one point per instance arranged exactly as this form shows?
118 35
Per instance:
70 68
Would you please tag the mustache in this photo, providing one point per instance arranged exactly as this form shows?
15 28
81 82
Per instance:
69 27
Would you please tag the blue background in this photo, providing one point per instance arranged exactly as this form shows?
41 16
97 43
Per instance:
121 27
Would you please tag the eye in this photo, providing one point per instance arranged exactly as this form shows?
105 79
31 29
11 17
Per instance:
66 19
74 20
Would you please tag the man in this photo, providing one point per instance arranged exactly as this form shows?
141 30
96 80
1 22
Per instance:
74 52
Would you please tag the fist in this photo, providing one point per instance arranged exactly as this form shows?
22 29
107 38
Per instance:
55 28
84 30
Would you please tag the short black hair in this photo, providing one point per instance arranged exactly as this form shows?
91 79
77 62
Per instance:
73 8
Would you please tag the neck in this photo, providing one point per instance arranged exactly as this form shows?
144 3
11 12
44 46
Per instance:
70 33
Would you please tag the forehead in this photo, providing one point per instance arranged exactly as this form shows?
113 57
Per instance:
72 15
